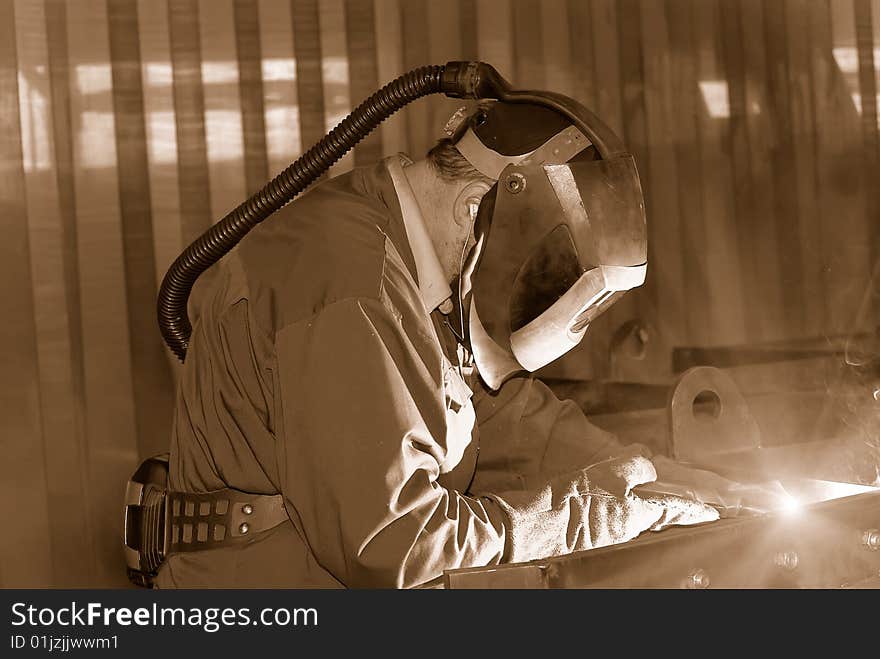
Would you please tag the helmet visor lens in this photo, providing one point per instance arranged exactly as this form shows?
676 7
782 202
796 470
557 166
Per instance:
548 273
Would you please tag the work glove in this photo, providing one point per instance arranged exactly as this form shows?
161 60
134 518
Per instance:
729 497
590 508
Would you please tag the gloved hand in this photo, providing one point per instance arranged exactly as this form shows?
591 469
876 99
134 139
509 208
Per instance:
708 487
591 507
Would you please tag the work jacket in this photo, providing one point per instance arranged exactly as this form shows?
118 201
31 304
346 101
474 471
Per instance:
318 369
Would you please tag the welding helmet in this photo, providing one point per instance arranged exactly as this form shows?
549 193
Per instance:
559 238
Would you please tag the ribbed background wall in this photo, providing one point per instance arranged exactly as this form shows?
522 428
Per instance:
128 126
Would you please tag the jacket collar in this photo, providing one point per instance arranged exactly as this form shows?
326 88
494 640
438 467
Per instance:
433 287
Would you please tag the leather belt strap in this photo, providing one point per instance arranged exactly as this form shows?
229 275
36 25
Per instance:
208 520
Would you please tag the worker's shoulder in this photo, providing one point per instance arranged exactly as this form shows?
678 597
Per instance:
328 245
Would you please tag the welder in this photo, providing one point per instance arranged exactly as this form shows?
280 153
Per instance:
356 403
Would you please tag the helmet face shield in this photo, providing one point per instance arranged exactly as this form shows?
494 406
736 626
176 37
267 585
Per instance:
562 242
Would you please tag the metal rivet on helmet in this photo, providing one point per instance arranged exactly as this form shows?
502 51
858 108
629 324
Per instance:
515 183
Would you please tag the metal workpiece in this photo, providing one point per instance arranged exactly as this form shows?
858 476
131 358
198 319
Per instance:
824 545
709 417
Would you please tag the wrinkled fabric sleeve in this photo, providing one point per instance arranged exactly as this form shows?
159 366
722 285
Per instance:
528 435
363 440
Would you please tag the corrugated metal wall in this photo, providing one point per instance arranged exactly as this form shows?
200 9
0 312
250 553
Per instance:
128 126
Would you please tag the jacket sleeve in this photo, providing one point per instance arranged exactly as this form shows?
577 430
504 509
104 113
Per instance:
363 439
527 434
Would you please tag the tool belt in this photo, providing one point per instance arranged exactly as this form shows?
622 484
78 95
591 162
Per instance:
160 522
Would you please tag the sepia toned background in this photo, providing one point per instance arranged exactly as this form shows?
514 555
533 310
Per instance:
128 126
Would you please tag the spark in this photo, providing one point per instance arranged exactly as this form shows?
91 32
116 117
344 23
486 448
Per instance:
791 506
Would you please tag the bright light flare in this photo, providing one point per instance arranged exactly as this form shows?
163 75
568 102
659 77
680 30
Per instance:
801 493
839 490
791 505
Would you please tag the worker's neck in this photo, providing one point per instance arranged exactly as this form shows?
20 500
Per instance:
436 198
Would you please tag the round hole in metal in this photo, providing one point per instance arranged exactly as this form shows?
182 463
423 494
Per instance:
707 405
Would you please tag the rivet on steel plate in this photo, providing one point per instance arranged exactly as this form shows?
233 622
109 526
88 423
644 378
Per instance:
787 560
871 539
244 528
247 509
698 579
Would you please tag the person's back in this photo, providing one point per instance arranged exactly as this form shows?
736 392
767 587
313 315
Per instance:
328 246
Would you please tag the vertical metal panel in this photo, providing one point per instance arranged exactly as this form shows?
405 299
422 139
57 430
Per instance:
494 35
555 40
868 93
62 133
528 47
363 69
605 45
416 52
835 224
760 236
151 381
247 40
468 23
871 313
684 127
25 558
743 199
783 168
579 18
189 112
220 87
843 239
280 102
800 83
109 400
725 291
730 51
875 225
335 75
63 437
310 88
161 132
389 63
